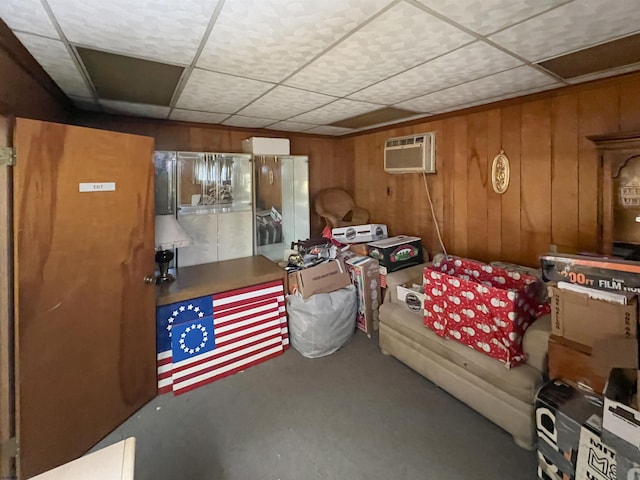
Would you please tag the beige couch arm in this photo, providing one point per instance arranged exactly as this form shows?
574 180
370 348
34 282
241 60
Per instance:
410 274
535 343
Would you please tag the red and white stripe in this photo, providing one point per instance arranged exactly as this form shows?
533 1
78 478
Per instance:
165 372
248 329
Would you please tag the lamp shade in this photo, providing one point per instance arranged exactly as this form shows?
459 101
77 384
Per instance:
169 233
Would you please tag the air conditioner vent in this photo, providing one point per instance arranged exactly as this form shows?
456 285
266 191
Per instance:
410 154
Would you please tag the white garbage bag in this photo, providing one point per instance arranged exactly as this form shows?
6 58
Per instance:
322 323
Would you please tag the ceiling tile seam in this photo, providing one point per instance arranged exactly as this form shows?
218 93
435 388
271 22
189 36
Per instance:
255 100
409 69
173 109
314 58
543 12
307 111
281 82
186 74
200 111
342 39
72 53
482 37
289 119
482 77
492 99
47 37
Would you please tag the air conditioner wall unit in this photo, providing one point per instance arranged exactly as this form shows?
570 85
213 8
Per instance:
410 154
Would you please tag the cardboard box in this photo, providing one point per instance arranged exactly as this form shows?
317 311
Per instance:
561 411
594 272
581 319
396 253
359 233
571 361
383 276
621 418
365 276
266 146
596 461
359 249
411 296
324 278
612 352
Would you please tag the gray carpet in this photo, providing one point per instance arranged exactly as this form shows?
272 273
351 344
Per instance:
356 414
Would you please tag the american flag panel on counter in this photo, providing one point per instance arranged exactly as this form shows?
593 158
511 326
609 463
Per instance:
167 316
248 327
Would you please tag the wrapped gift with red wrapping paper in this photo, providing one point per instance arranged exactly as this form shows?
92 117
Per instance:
485 307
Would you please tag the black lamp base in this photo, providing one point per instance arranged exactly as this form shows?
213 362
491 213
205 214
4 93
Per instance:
163 258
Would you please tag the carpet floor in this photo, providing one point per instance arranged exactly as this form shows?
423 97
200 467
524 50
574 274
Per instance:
356 414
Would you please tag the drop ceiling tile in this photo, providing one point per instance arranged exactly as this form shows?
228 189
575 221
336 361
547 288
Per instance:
217 92
283 34
200 117
291 126
135 109
571 27
505 83
335 111
163 30
400 38
488 16
27 16
328 130
497 98
247 122
85 103
467 63
284 102
54 57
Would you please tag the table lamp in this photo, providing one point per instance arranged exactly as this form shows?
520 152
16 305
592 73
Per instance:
169 235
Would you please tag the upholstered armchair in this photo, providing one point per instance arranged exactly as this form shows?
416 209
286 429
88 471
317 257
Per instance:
338 209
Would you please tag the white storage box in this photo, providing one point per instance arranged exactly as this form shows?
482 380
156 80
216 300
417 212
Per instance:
621 418
266 146
412 296
360 233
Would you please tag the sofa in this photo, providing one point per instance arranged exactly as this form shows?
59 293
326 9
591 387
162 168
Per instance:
502 395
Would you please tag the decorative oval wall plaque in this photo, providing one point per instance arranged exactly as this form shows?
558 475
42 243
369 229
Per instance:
500 173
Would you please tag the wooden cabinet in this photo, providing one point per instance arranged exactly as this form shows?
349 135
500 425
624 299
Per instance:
619 193
218 319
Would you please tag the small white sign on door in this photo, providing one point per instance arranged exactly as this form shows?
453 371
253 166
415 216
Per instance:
98 187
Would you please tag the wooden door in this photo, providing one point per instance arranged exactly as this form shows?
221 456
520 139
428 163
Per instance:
84 316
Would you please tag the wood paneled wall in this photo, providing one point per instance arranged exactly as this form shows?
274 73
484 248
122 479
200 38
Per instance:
553 194
25 89
330 160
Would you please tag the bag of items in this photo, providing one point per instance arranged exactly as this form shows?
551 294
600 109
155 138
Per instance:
323 323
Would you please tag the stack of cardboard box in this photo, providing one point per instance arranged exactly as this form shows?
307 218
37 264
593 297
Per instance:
370 255
582 435
594 309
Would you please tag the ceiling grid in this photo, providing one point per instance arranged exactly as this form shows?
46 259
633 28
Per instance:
319 67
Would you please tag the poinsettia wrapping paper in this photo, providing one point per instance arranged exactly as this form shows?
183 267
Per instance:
482 306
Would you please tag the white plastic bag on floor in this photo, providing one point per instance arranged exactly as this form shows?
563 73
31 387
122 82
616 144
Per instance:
322 323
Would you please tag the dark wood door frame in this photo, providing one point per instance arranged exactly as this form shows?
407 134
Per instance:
614 150
7 390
